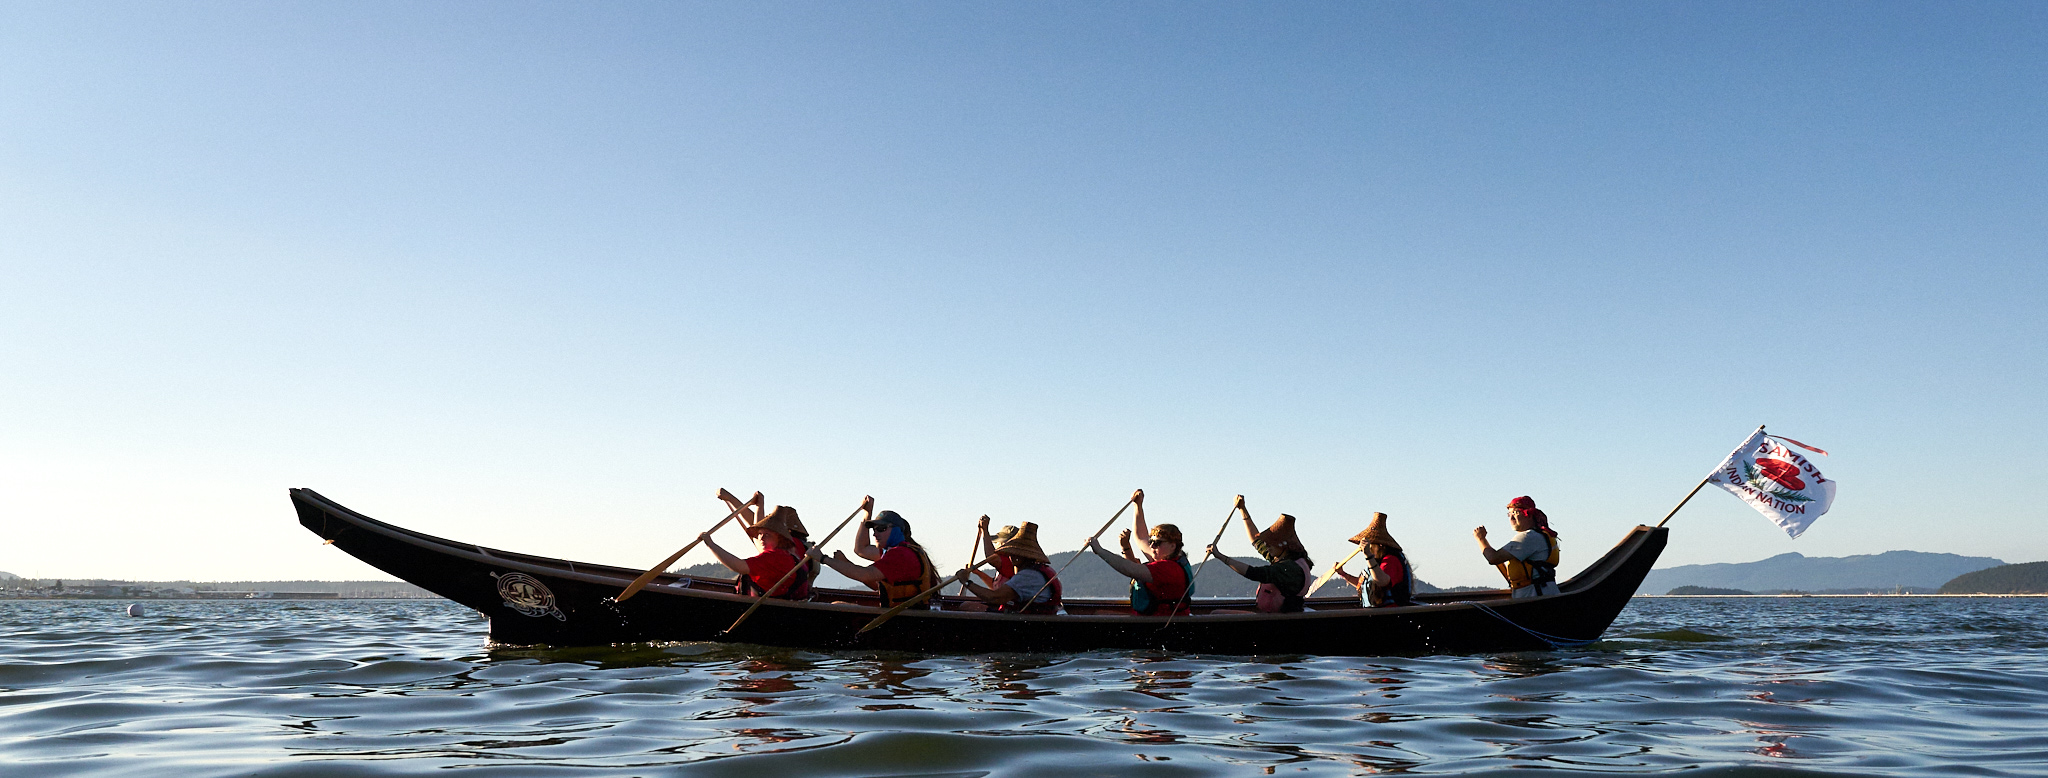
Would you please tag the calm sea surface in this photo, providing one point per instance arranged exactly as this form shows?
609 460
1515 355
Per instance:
376 688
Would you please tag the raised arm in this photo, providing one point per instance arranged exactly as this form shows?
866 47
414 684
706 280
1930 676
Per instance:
725 557
864 545
1130 569
1143 533
1251 530
748 517
1493 557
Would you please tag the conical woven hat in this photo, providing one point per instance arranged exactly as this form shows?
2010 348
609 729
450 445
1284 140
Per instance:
1278 539
1023 543
1377 533
781 521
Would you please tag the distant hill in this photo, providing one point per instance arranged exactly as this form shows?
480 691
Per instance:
9 577
1793 571
2025 578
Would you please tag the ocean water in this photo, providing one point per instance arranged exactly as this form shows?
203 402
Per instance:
1894 686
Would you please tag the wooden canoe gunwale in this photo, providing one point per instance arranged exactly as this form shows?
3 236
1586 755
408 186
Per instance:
672 608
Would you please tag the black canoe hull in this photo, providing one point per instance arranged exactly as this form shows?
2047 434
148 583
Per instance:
535 600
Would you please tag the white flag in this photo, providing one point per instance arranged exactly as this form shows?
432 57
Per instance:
1777 481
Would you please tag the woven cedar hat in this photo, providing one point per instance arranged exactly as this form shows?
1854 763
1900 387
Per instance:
1377 533
1023 542
1277 540
781 521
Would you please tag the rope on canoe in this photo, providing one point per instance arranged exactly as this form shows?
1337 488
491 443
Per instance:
1553 640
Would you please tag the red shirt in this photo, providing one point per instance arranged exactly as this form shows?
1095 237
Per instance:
767 567
899 563
1392 567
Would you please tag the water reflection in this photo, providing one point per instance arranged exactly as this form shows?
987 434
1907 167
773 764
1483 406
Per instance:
1165 685
373 684
1010 676
893 676
1525 665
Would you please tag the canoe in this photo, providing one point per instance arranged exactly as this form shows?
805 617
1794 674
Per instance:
533 600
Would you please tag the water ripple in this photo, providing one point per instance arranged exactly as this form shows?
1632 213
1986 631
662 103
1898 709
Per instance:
381 688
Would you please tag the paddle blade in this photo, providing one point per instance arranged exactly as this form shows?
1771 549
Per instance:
1333 571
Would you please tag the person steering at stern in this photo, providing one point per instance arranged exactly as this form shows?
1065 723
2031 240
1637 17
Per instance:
1529 562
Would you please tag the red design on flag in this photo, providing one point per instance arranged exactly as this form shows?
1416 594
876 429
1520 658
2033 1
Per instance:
1785 473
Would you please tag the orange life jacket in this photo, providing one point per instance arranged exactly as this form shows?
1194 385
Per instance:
1521 573
897 591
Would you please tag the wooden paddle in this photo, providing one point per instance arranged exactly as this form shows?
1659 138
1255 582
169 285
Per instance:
1084 546
1333 571
1206 554
980 531
922 596
866 504
649 576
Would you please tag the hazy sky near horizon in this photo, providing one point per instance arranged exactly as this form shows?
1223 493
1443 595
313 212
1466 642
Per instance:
545 276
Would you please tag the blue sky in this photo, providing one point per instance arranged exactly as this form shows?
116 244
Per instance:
545 276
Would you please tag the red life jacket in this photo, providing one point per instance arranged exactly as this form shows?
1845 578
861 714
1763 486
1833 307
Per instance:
1158 597
1051 605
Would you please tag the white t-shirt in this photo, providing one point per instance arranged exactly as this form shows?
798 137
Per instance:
1529 546
1533 547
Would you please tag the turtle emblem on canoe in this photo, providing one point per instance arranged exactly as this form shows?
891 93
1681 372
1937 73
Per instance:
528 596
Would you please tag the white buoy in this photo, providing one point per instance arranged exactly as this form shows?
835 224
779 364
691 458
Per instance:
135 610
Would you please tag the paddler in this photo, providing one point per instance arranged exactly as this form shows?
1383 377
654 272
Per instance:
1032 576
1530 560
1002 563
1284 579
901 568
1157 585
750 514
1388 581
781 549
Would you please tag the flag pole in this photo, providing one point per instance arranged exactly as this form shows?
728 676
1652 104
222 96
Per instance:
1696 489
